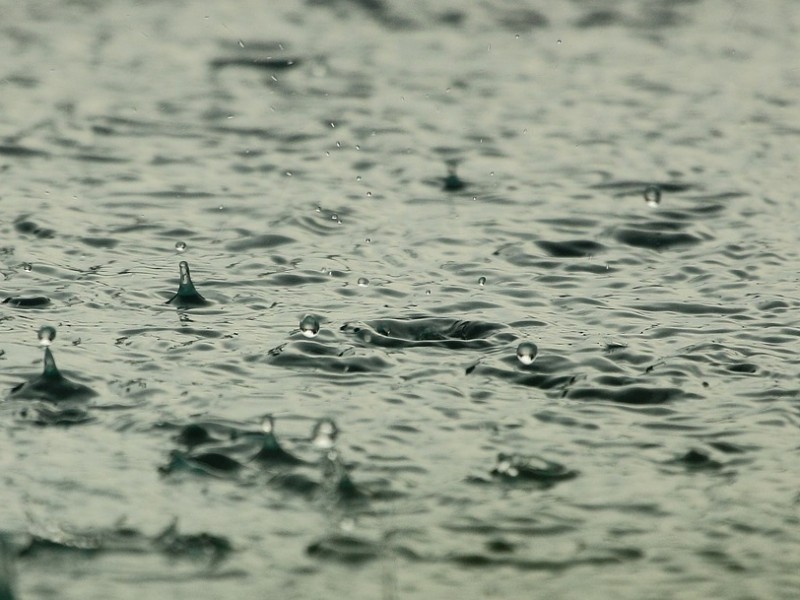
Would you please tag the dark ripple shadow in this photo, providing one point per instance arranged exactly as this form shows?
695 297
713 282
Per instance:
318 355
423 331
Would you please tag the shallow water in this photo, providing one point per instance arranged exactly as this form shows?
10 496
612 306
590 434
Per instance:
301 158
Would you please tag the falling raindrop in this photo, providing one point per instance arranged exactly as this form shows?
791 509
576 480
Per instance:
46 335
27 267
180 246
309 326
482 281
526 352
268 424
363 281
652 195
323 436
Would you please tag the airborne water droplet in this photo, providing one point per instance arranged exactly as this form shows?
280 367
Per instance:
323 436
268 424
652 195
46 335
526 352
309 326
363 282
27 267
482 281
180 246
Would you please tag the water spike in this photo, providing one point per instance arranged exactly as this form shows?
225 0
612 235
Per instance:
187 295
452 183
50 370
271 450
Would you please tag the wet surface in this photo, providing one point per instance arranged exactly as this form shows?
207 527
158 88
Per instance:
536 263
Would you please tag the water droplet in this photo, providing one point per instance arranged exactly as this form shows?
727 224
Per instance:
309 326
516 37
241 44
363 281
334 217
358 177
482 281
558 41
323 436
368 240
180 246
268 424
427 292
526 352
369 194
652 195
27 267
46 335
288 173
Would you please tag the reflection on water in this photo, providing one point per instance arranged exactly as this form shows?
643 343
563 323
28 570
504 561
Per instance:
536 262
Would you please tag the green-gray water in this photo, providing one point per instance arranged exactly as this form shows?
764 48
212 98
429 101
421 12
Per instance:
433 184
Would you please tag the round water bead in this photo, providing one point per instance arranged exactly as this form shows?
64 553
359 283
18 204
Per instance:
180 246
526 352
363 281
46 335
309 326
323 436
652 195
268 424
482 281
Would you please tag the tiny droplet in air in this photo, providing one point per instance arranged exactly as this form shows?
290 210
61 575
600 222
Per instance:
46 335
180 246
323 436
652 195
309 326
363 281
526 352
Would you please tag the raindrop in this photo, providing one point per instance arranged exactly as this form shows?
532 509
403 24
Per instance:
368 240
27 267
323 436
526 352
558 41
369 194
482 281
358 177
334 217
46 335
652 195
516 37
241 44
363 281
309 326
180 246
268 424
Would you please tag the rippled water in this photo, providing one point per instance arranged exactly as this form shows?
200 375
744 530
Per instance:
431 186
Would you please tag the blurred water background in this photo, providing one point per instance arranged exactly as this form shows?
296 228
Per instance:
432 183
